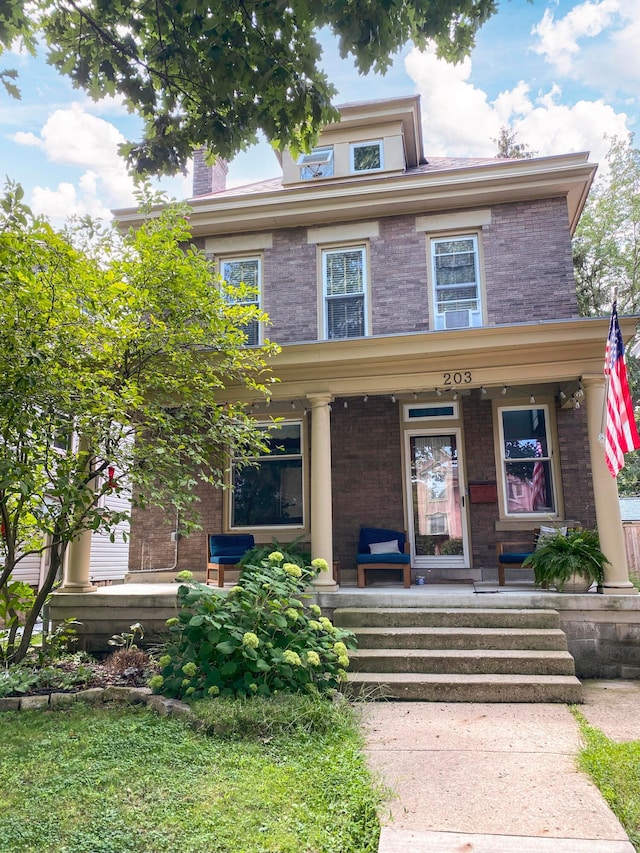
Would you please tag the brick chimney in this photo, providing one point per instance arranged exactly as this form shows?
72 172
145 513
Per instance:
208 179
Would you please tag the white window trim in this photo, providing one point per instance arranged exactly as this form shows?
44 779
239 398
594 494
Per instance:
554 462
365 144
230 259
282 528
437 320
454 416
326 250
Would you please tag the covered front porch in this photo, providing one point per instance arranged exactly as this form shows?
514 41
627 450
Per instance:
602 630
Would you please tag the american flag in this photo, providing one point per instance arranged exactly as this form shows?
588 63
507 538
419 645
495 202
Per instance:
538 484
621 434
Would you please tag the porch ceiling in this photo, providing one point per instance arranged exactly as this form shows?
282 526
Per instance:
520 355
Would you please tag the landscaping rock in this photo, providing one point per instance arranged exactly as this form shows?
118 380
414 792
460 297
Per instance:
10 703
92 696
62 700
30 703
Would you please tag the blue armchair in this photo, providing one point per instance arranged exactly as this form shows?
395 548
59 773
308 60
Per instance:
225 552
379 548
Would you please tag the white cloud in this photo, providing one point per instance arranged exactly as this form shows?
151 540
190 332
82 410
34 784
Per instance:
559 39
460 120
596 43
75 138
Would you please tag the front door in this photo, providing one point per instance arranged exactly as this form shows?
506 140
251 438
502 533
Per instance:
437 517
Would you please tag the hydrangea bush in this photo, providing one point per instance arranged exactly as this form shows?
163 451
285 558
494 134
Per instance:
259 639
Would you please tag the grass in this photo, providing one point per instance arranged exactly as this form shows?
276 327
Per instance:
284 775
615 769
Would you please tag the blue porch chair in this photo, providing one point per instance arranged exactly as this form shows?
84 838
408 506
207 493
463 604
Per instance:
379 548
225 552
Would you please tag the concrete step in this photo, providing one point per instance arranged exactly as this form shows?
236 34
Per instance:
486 661
437 617
423 687
461 638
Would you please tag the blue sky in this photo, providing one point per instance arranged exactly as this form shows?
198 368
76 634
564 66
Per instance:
563 75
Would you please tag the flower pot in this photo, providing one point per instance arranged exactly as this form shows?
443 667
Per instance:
576 584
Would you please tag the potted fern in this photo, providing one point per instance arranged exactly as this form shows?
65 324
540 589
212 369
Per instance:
571 562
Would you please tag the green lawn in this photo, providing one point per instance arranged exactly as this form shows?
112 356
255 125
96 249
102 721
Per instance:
286 776
615 769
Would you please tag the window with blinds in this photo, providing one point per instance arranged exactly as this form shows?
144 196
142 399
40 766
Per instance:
245 271
456 282
344 283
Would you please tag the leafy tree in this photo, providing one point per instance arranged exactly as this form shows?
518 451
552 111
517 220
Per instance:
606 249
606 258
508 147
213 74
113 354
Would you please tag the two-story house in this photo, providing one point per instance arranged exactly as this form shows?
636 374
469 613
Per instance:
435 376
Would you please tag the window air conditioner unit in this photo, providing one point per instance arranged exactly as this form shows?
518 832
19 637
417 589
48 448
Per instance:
457 319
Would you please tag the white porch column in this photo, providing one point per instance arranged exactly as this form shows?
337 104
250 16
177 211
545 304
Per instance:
77 564
321 500
605 492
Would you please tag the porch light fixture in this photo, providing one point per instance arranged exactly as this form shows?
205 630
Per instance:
345 405
504 389
293 404
483 390
579 393
455 395
415 396
365 398
532 399
563 396
438 392
393 398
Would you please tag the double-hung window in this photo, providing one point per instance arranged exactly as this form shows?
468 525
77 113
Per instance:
526 461
270 493
455 274
245 271
344 277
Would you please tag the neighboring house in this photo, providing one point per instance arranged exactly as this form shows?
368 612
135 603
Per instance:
109 560
434 376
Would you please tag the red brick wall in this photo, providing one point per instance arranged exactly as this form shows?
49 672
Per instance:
528 264
366 471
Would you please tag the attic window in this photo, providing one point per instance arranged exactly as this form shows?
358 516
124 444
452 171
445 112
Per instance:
317 164
366 156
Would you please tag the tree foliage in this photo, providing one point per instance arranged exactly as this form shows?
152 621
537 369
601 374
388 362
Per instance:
606 258
214 74
509 148
113 356
606 249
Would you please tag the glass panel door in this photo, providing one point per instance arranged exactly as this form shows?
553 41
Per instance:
438 520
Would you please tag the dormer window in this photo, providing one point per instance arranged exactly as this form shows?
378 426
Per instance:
317 164
366 156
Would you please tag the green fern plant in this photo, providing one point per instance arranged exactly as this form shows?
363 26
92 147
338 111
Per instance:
561 557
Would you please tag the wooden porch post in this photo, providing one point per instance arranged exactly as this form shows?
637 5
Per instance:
321 500
605 492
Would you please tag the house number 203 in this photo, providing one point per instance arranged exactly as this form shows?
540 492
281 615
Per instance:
461 377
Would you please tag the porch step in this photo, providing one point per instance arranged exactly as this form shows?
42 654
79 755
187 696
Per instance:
424 687
444 617
459 655
468 638
472 661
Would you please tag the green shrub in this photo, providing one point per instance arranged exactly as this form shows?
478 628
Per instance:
292 552
259 639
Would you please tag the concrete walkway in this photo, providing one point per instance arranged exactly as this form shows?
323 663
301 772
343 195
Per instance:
496 778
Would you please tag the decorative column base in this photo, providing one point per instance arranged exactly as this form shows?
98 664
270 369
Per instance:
70 586
617 589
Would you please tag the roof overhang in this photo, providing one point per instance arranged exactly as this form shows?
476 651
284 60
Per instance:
568 176
519 355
